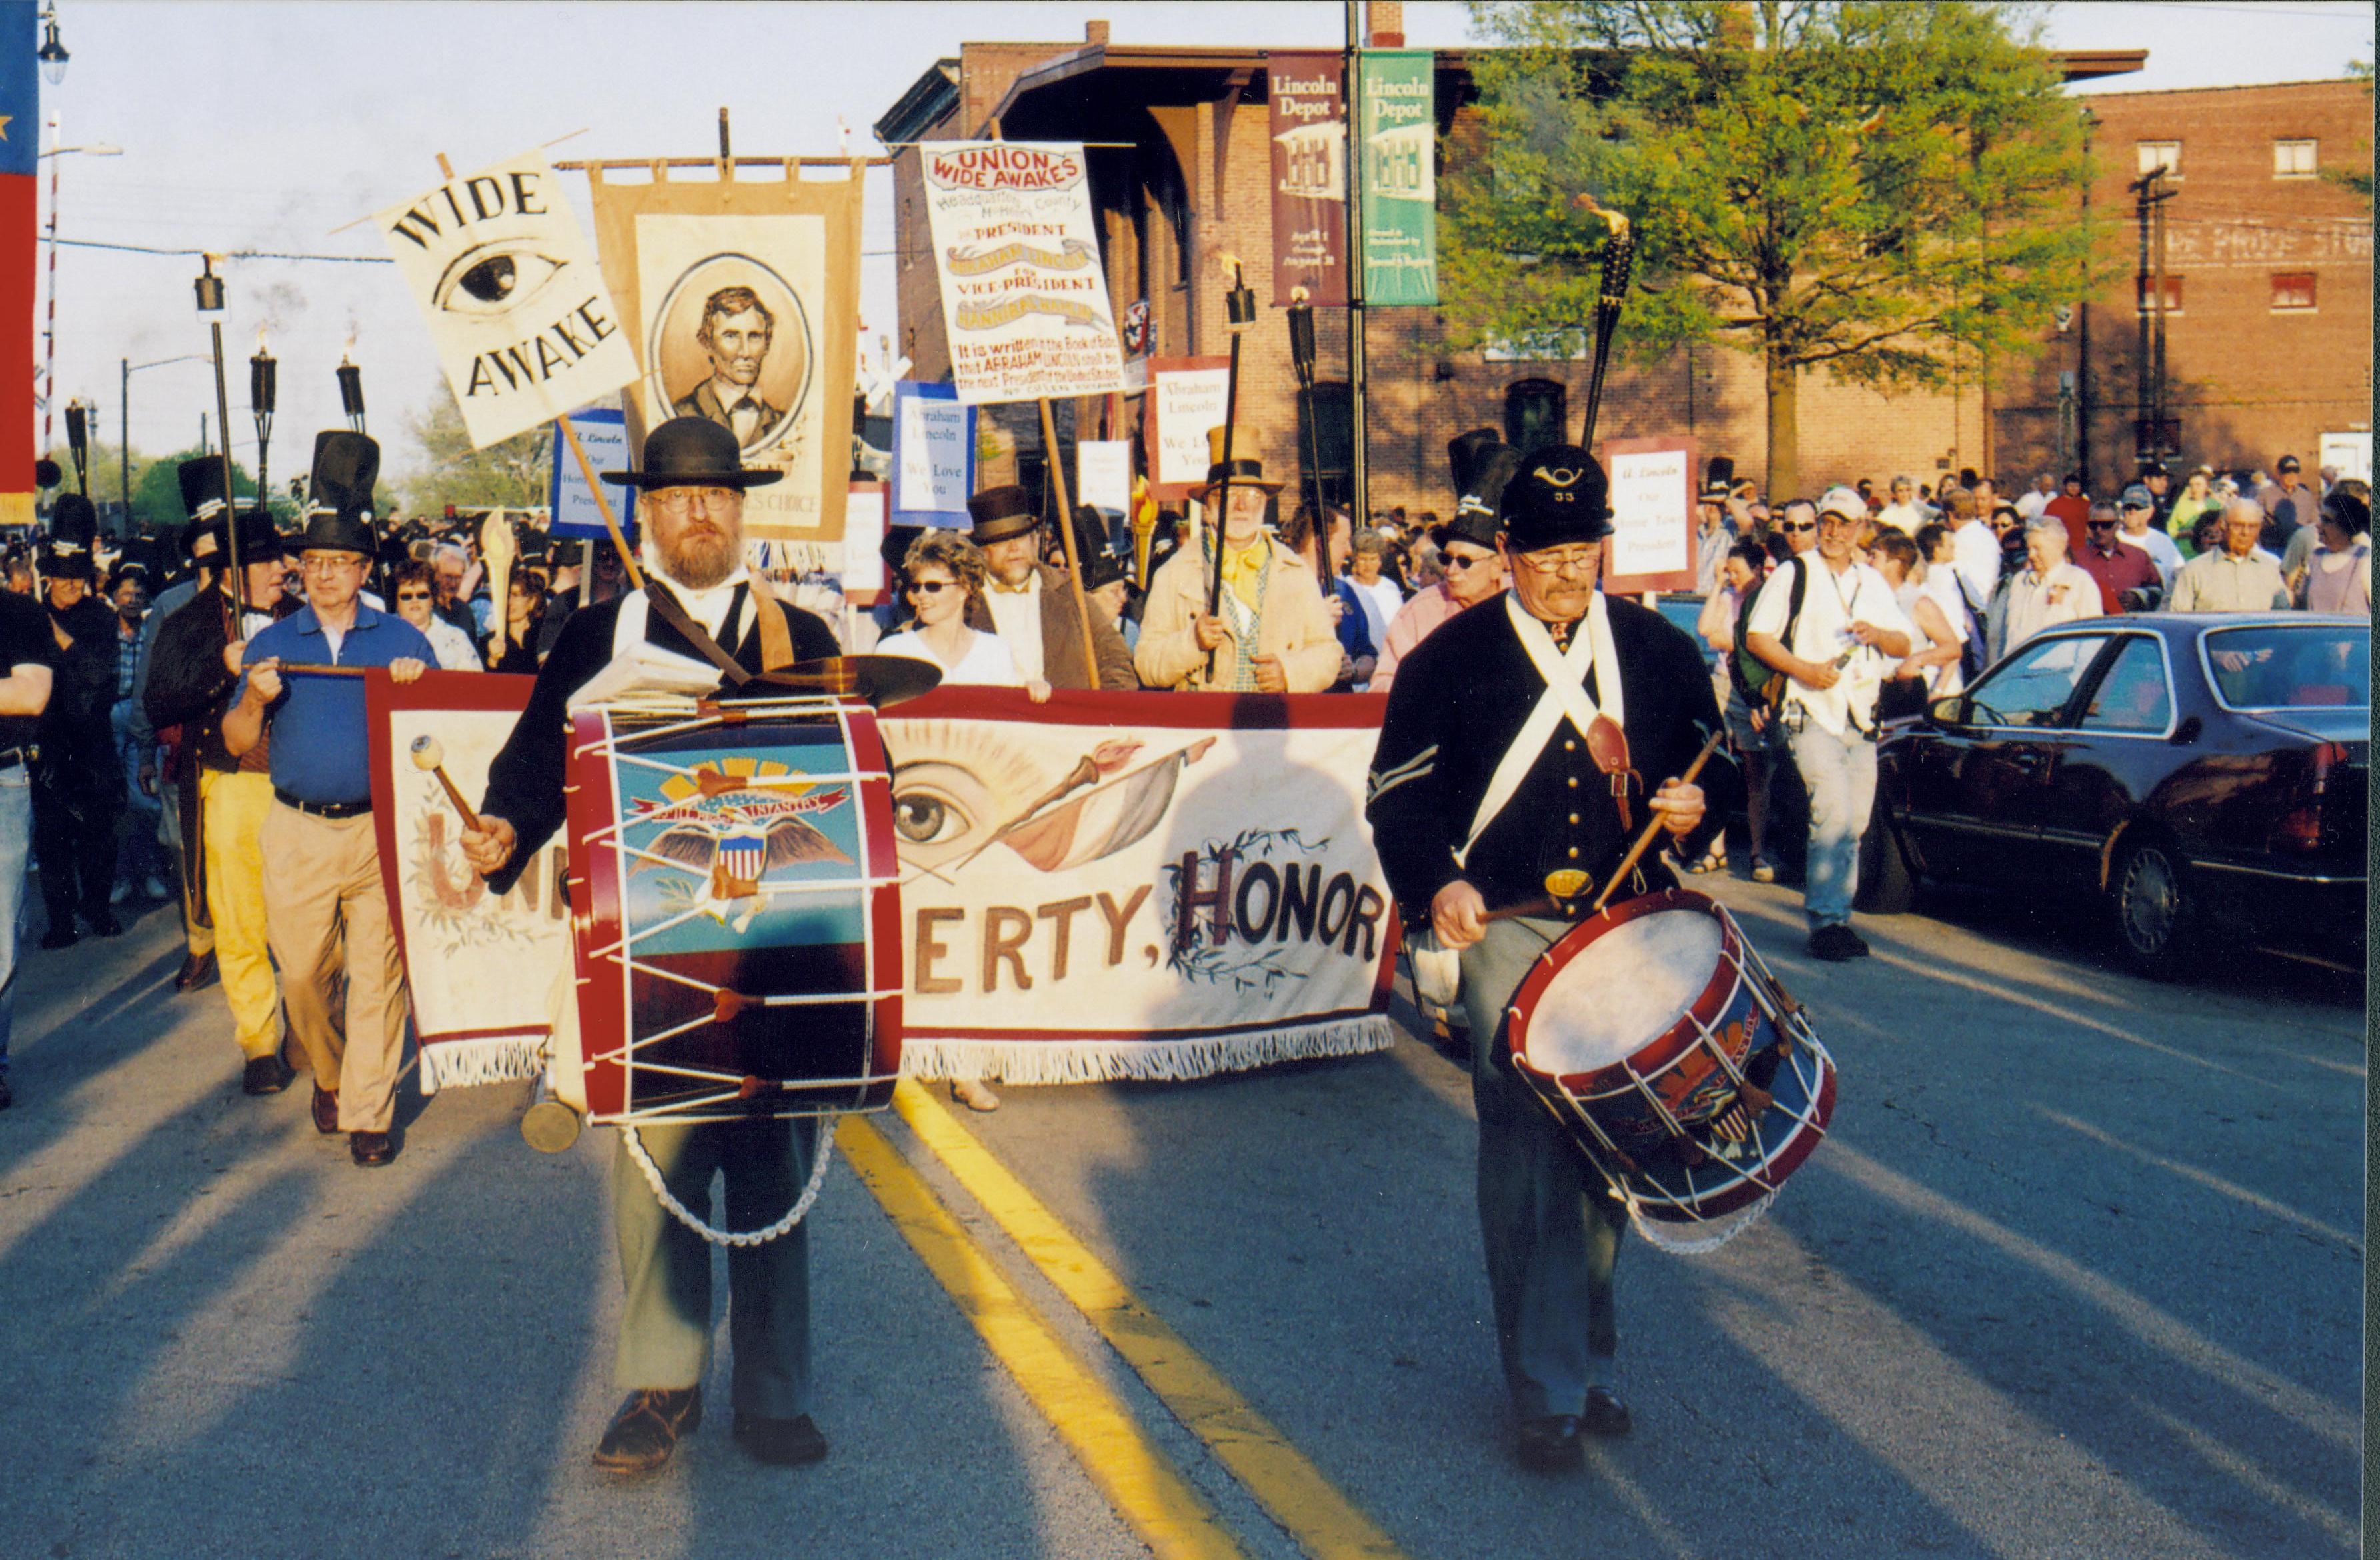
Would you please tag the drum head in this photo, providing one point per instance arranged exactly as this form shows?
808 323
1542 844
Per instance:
1627 986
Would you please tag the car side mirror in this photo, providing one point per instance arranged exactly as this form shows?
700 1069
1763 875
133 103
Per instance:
1949 712
2187 732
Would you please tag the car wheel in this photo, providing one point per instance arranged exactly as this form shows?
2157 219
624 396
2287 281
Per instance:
1887 887
2154 908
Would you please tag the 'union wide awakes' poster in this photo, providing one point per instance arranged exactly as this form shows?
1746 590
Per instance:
1024 299
741 299
515 303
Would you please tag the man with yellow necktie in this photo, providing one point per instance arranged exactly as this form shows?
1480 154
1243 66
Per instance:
1270 632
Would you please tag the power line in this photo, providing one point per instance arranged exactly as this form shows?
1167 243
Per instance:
229 254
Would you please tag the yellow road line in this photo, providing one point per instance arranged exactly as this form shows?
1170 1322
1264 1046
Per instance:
1325 1523
1172 1518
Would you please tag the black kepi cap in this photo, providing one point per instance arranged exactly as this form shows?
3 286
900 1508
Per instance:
1559 496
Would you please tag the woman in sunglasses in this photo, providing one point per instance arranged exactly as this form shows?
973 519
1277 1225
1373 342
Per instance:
944 572
415 600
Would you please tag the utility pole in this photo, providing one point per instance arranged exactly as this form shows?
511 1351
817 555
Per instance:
1359 482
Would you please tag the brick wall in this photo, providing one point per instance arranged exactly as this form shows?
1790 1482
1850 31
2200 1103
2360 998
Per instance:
2245 380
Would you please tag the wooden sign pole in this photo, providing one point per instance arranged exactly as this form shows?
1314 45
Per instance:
1066 535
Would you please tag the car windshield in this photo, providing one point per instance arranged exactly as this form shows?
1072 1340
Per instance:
2291 665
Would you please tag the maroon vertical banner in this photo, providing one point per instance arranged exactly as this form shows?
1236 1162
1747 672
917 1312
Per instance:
20 134
1309 177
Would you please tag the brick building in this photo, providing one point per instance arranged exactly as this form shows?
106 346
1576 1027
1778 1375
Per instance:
2267 270
1185 178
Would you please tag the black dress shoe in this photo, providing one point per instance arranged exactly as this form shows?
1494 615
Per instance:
325 1108
1857 944
1605 1415
786 1442
1836 943
1551 1445
646 1430
105 925
197 971
371 1148
264 1075
60 937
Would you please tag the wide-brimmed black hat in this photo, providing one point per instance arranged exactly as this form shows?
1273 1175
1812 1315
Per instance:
1559 495
1245 471
693 452
259 542
338 517
999 513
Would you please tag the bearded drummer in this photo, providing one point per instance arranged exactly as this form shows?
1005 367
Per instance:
1524 745
694 482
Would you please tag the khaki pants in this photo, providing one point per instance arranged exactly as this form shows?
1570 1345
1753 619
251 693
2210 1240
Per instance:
322 882
235 807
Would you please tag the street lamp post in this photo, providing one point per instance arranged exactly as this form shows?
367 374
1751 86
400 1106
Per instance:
57 154
124 422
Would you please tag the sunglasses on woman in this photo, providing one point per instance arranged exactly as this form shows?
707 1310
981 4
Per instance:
413 595
931 587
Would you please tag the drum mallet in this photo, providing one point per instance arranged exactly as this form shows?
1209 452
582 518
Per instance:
1645 840
429 755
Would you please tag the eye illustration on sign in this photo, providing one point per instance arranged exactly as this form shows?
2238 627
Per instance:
732 342
491 280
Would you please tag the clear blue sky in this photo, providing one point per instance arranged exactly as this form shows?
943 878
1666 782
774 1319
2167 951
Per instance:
268 126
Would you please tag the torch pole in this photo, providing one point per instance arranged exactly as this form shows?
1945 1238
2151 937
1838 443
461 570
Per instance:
1066 535
231 495
1239 313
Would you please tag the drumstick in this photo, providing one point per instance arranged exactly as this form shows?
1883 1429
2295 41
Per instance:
1645 840
429 755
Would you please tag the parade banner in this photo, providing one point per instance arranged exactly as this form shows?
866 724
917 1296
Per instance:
1653 524
740 298
515 305
1398 118
1104 886
1185 399
481 966
1308 95
603 435
21 106
933 454
1024 299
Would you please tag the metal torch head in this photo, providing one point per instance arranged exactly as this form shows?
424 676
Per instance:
1240 302
427 752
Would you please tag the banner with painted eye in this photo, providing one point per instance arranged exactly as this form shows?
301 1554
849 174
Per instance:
1106 885
515 304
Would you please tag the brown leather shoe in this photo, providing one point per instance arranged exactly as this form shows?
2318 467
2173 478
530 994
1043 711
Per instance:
646 1430
326 1110
371 1148
197 971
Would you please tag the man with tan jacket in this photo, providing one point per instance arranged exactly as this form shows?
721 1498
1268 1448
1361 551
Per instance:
1272 633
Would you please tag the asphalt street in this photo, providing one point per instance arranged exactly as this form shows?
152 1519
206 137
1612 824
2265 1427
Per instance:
2078 1273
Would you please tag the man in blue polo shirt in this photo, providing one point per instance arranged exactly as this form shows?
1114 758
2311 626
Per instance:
323 891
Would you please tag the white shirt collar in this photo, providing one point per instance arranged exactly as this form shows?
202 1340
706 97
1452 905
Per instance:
706 607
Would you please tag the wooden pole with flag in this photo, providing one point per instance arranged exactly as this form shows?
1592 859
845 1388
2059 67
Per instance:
1066 534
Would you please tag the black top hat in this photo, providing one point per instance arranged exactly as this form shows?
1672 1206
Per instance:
1559 495
339 518
1245 471
999 513
1719 471
1466 451
68 560
1100 565
73 520
895 545
202 486
694 452
1474 513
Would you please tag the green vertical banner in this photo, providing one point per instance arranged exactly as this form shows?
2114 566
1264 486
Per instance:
1398 124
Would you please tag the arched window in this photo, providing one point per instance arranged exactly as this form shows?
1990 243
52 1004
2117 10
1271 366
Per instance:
1536 413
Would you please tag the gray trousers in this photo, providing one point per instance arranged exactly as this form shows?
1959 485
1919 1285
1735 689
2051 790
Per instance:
1550 1225
665 1334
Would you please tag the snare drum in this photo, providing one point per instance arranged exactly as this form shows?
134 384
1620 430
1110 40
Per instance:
1687 1075
736 909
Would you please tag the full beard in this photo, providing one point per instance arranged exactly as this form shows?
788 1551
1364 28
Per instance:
701 560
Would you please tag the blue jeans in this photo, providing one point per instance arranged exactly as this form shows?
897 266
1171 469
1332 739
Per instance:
16 847
1839 774
144 854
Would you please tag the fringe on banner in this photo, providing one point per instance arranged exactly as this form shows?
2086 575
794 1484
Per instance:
502 1059
1102 1061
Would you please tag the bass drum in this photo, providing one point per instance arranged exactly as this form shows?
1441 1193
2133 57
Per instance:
1687 1075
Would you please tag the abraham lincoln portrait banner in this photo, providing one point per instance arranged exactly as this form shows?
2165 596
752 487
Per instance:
740 298
1107 886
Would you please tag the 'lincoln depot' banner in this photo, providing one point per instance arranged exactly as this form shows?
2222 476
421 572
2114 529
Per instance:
1024 299
1309 94
1398 116
1106 885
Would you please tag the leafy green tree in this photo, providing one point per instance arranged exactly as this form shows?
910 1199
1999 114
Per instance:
2356 181
157 489
514 474
1887 190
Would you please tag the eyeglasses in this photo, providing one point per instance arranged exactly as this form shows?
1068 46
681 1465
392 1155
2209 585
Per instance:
2098 525
1797 526
1575 561
676 501
413 595
329 563
1457 561
931 587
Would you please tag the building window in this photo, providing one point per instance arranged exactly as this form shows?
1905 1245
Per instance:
2294 159
1536 413
2154 154
2144 293
2293 291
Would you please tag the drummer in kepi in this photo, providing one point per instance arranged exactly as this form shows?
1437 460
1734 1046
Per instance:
1524 745
694 481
